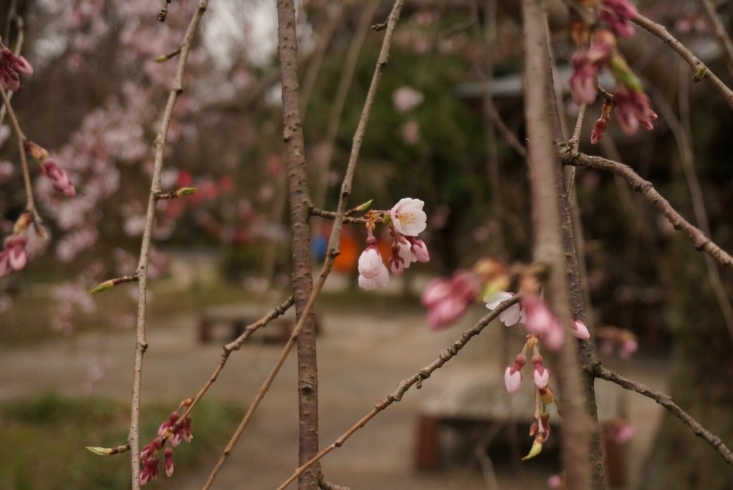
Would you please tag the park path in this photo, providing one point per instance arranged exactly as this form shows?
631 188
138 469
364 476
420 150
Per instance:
361 359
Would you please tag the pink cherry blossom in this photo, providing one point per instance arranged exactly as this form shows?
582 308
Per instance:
628 348
15 247
11 67
618 14
408 217
554 482
542 322
511 315
583 79
448 299
580 330
406 98
58 177
633 110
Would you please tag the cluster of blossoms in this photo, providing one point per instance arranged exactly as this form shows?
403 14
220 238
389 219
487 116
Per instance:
11 67
632 104
405 220
170 434
448 299
13 257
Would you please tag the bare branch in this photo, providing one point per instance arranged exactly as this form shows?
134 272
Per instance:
404 385
332 215
142 269
672 407
698 238
325 485
701 70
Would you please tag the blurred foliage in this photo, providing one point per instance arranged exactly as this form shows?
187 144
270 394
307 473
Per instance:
42 441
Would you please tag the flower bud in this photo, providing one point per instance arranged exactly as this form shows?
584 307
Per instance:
36 151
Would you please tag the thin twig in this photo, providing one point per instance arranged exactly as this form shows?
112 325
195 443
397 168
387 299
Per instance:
720 31
701 70
682 134
698 238
16 50
404 385
506 133
234 345
672 407
30 204
574 143
333 245
142 269
332 215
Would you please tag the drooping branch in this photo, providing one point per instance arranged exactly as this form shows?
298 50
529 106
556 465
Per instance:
698 238
548 241
142 269
669 405
404 385
700 69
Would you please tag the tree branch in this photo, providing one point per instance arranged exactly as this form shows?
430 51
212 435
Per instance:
539 93
142 269
698 238
406 384
701 70
666 401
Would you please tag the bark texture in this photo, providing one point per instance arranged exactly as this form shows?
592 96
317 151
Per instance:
299 214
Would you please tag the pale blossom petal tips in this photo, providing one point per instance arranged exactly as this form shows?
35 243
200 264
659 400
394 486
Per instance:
370 263
377 282
580 330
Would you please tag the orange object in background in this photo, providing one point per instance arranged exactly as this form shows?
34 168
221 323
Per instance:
347 260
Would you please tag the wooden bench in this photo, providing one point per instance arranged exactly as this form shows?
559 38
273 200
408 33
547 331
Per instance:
477 400
226 323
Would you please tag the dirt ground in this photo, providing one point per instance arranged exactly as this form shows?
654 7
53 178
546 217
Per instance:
361 359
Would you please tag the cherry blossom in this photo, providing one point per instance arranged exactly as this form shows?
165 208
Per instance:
58 177
633 110
406 98
542 322
512 379
408 216
448 299
618 14
11 67
511 315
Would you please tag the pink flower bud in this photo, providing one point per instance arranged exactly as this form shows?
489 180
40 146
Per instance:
580 330
627 348
512 379
379 281
169 464
554 482
540 374
446 312
58 177
15 248
370 261
421 251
